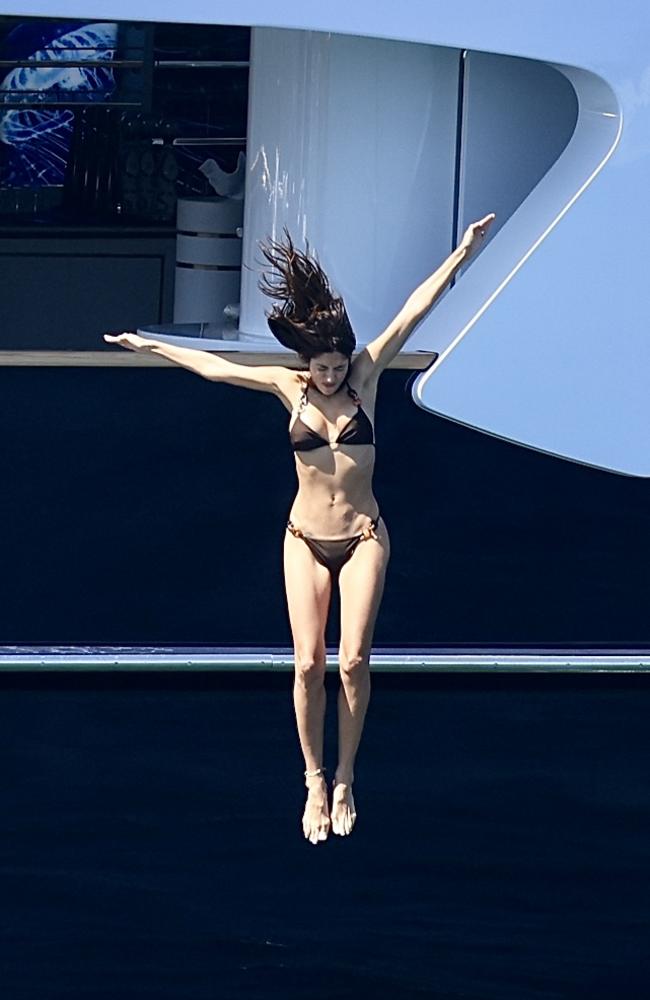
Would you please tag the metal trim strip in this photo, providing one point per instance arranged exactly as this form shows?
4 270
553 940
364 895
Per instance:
488 661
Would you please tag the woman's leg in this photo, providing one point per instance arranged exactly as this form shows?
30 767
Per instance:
308 587
361 585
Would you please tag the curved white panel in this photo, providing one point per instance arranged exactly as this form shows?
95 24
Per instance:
518 117
543 367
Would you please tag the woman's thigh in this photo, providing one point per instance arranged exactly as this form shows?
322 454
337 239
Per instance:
308 587
361 585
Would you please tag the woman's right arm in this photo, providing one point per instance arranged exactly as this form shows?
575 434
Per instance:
266 378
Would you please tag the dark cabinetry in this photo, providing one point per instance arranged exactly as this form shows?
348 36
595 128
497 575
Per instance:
62 290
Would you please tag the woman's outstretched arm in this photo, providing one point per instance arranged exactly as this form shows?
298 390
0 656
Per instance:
267 378
381 351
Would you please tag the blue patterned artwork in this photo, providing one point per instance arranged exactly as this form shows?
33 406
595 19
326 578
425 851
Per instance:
35 141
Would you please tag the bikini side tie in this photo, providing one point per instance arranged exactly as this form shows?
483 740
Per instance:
370 531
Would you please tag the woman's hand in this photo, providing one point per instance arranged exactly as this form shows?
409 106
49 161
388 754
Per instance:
475 234
132 341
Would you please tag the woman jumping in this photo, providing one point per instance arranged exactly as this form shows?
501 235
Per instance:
335 534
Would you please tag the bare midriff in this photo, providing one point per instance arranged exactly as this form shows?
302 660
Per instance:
335 498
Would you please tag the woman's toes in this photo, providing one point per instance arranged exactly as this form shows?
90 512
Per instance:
310 831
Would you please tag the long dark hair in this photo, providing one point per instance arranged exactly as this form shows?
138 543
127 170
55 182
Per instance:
309 319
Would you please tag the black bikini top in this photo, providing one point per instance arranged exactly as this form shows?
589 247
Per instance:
358 429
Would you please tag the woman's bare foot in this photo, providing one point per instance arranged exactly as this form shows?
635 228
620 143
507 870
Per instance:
343 810
316 818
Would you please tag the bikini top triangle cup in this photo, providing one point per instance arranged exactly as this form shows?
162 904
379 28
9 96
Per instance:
358 429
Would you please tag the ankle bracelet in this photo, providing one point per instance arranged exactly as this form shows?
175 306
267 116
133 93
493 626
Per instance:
313 774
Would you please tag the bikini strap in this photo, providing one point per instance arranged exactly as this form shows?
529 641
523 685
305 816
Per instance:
302 402
371 530
353 394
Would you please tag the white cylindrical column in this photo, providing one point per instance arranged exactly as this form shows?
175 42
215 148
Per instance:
351 145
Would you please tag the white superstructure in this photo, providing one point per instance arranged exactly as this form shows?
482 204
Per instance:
545 339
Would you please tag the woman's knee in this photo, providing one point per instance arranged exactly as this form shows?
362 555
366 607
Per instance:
353 663
310 668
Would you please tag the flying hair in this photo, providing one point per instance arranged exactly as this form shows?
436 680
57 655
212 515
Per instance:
307 317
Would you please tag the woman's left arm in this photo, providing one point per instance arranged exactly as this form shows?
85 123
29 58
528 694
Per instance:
378 354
